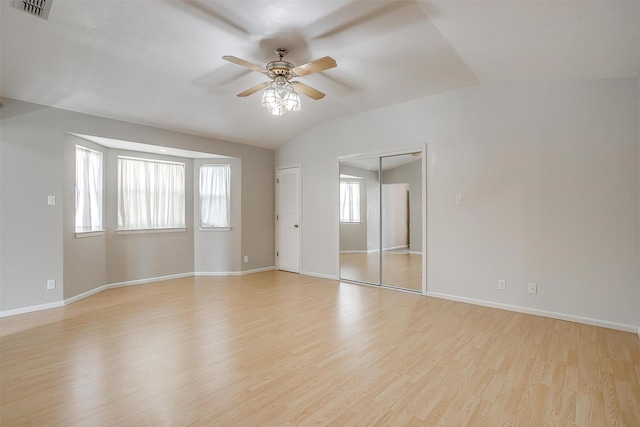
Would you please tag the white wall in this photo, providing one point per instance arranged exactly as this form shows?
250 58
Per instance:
31 244
32 147
219 251
395 216
549 175
85 259
142 256
410 173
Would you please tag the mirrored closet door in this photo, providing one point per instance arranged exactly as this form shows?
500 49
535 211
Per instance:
401 221
360 220
381 220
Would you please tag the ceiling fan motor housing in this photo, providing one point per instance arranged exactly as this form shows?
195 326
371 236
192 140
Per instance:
280 68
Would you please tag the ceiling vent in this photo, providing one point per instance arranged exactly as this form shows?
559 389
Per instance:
38 8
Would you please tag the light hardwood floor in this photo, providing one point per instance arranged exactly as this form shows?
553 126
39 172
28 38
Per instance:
282 349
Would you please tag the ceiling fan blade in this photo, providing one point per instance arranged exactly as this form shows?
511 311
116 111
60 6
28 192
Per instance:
254 89
215 15
364 19
244 63
314 66
308 90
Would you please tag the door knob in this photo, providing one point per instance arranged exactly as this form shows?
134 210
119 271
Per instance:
296 225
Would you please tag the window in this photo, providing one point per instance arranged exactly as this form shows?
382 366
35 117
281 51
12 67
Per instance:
151 194
215 193
350 201
88 190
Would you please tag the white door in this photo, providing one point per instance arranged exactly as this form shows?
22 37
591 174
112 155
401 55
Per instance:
288 219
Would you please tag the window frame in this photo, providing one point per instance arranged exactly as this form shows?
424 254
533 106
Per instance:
98 229
202 226
120 224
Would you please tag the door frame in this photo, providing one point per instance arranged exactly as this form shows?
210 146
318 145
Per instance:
275 216
378 154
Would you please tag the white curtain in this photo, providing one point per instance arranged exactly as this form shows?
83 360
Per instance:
88 190
215 191
349 201
151 194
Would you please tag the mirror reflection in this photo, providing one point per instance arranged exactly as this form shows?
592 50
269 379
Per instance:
360 221
381 221
402 221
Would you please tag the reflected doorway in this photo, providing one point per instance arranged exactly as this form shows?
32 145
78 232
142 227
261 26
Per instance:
381 220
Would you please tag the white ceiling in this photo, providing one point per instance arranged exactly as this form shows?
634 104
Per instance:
159 63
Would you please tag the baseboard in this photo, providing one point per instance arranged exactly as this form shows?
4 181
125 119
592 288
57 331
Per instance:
217 273
638 333
390 248
320 275
377 251
31 308
122 284
233 273
85 294
258 270
536 312
152 279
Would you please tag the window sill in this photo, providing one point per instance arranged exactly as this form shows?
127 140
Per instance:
349 223
151 230
93 233
214 228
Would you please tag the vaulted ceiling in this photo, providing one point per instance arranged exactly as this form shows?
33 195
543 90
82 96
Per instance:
159 63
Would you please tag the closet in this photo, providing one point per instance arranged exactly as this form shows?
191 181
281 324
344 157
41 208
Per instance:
382 219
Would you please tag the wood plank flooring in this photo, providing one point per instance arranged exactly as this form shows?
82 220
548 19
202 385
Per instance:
277 348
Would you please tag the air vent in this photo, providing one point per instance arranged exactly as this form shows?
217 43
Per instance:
38 8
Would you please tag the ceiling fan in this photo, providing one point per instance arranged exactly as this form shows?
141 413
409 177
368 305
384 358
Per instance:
280 95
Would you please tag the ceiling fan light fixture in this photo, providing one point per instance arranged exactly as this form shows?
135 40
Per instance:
277 111
271 98
292 101
280 97
272 101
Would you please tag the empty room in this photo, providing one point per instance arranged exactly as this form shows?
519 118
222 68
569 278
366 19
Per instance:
261 213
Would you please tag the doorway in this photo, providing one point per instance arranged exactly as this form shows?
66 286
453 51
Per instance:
382 220
288 219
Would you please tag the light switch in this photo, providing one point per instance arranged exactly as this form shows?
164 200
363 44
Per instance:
459 199
51 200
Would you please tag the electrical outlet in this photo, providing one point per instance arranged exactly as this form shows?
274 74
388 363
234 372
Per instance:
51 284
533 288
246 258
502 285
